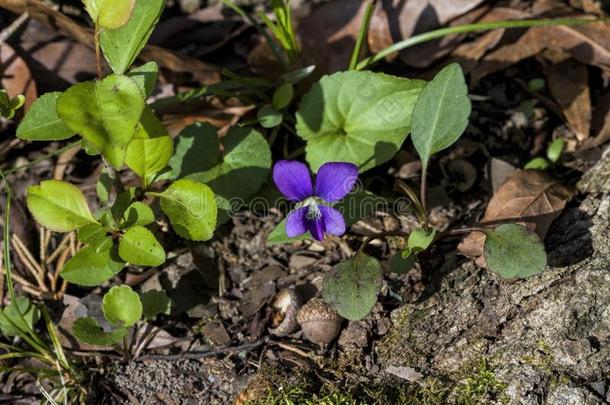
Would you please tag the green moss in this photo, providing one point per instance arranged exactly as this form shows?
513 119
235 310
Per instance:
481 387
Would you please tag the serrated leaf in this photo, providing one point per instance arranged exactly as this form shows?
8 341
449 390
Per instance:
87 330
90 267
95 236
357 117
441 113
122 306
59 206
139 246
512 251
155 302
41 122
145 77
105 113
29 312
351 287
151 147
138 213
191 209
122 46
244 166
109 13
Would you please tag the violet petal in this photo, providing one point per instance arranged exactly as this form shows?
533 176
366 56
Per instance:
335 180
316 228
293 180
334 223
296 222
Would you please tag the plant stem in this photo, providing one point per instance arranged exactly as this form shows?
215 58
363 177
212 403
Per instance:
98 56
462 29
364 29
423 197
40 159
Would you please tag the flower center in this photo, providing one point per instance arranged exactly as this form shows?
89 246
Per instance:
313 212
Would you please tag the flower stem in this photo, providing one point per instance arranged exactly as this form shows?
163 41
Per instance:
364 28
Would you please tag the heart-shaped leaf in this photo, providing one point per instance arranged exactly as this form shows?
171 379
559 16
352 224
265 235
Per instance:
191 209
122 306
123 45
139 246
87 330
59 206
105 113
41 122
357 117
244 166
441 113
92 267
351 286
109 13
197 149
513 251
151 147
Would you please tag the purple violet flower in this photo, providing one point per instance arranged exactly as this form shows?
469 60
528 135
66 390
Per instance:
313 212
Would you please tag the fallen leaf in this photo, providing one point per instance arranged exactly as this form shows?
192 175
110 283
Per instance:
568 82
396 20
529 197
16 76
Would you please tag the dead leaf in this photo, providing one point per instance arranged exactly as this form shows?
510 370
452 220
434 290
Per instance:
600 123
529 197
568 82
16 76
395 20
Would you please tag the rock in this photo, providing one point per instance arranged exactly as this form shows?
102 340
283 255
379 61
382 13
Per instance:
545 339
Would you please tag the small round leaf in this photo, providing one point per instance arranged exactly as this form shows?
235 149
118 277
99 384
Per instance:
122 306
269 117
87 330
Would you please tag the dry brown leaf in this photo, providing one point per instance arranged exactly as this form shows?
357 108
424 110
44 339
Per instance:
588 44
529 197
568 82
395 20
15 75
600 124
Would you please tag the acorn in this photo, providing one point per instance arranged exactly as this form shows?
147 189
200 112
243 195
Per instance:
284 308
320 323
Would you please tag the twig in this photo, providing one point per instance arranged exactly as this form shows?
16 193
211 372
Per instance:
195 355
15 25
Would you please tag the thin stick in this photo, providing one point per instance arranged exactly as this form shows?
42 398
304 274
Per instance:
15 25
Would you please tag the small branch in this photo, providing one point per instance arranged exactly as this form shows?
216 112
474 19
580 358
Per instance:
15 25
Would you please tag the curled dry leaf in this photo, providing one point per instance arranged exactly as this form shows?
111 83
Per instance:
529 197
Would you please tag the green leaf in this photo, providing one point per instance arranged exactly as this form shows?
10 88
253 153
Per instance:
103 187
419 240
555 150
59 206
242 169
357 117
105 113
400 264
512 251
351 286
140 247
197 149
538 163
269 117
29 311
282 96
122 46
87 330
95 236
151 148
122 306
122 202
109 13
191 209
441 113
9 106
145 77
41 122
90 267
138 213
155 302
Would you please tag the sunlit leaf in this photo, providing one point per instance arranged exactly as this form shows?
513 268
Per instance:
41 122
90 267
122 306
512 251
139 246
